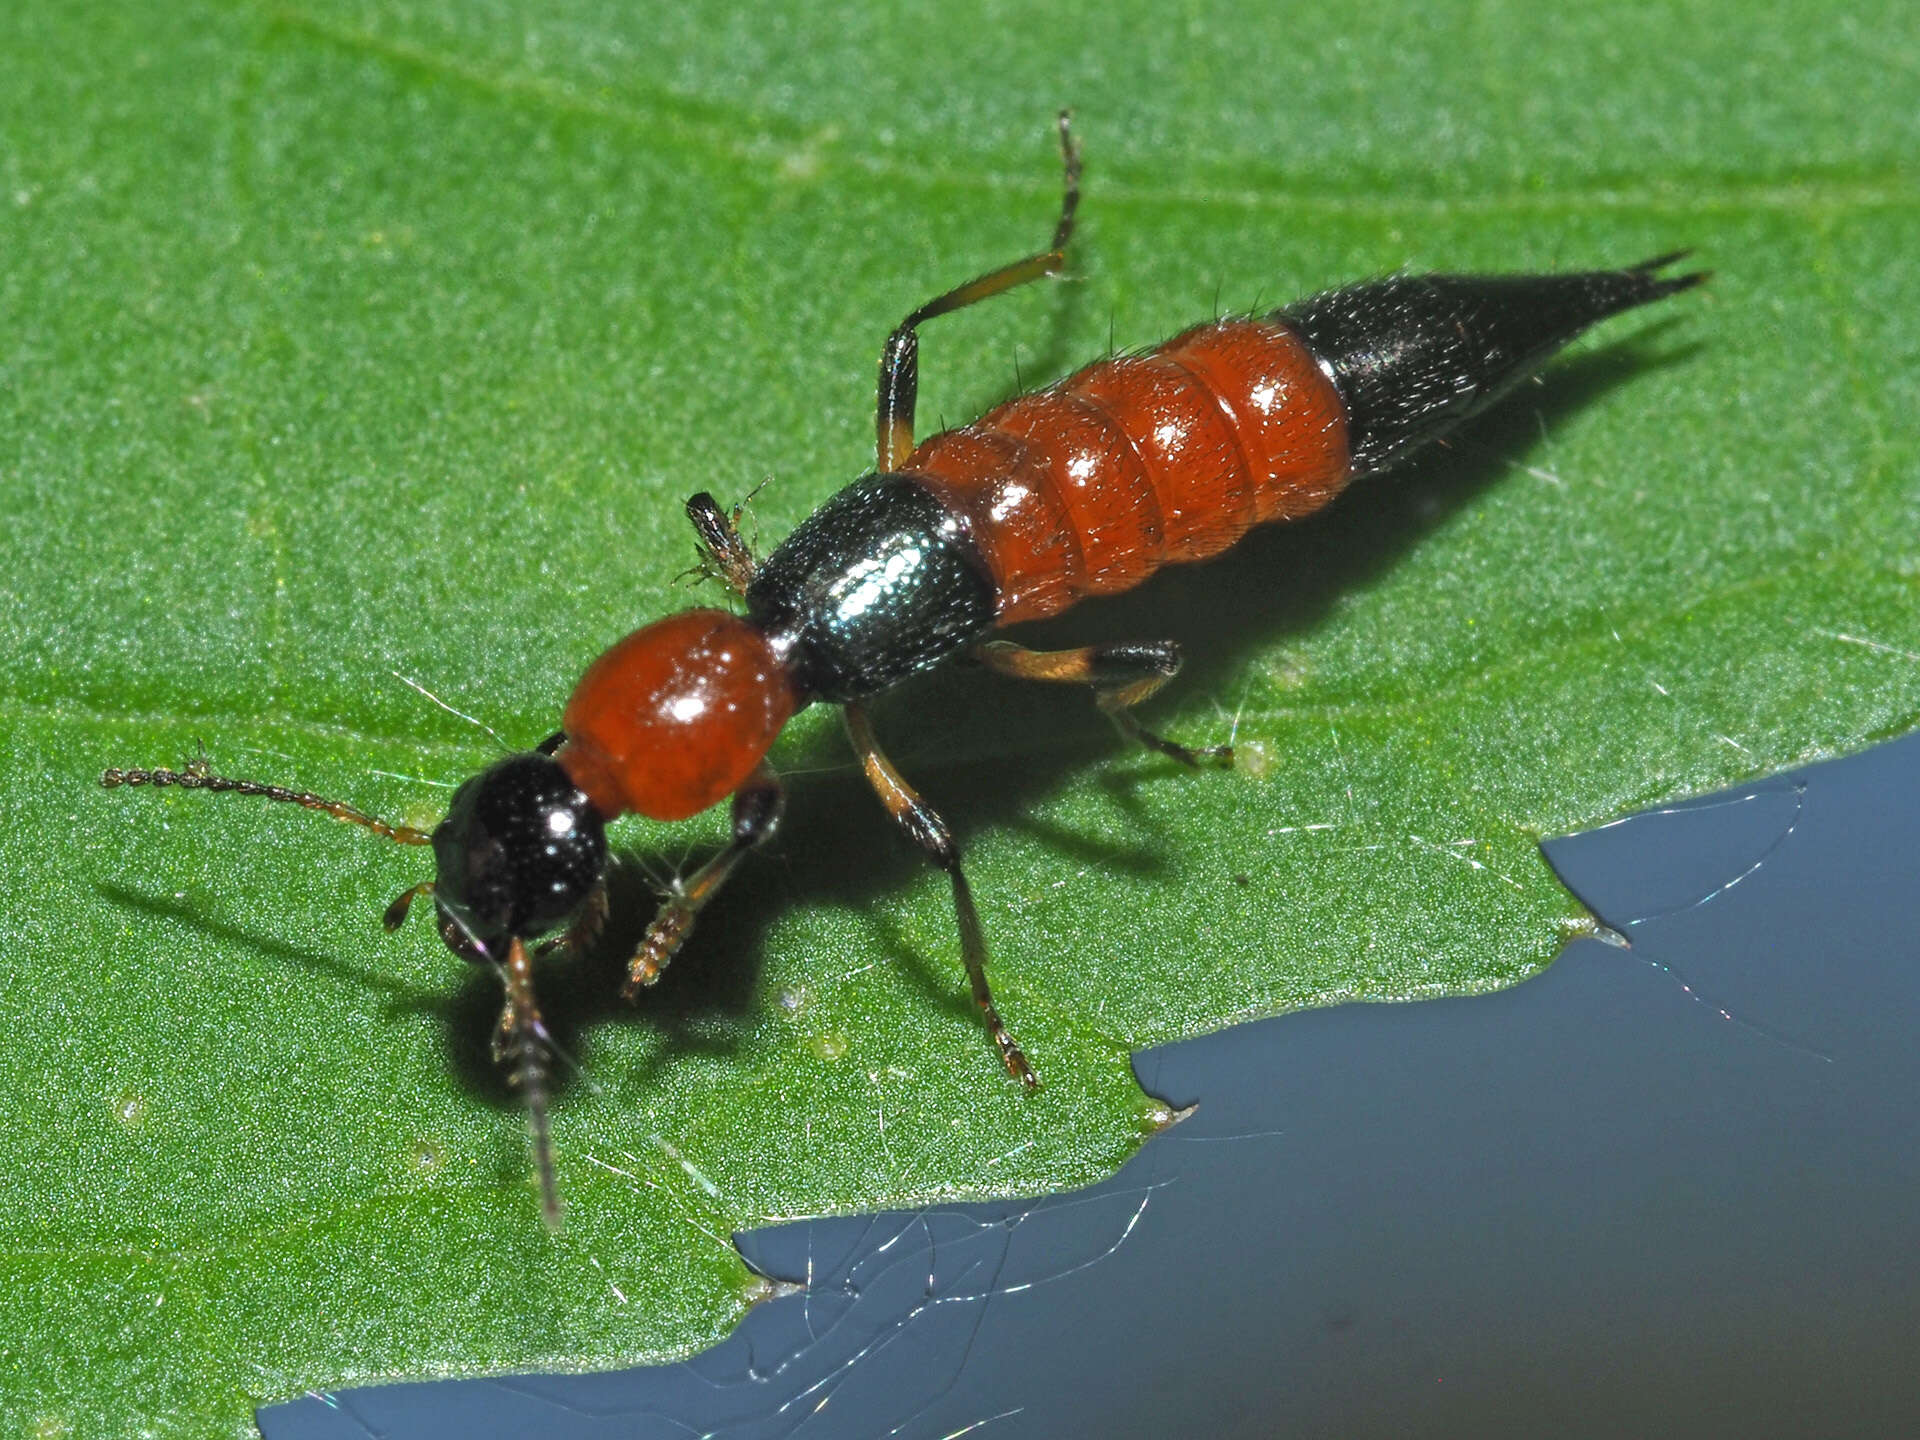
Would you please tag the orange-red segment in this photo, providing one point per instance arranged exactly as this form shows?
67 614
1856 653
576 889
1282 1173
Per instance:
1088 487
676 716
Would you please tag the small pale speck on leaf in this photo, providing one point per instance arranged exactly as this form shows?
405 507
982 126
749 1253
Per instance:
1253 758
828 1047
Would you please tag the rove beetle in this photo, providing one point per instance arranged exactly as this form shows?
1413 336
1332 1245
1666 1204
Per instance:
1080 489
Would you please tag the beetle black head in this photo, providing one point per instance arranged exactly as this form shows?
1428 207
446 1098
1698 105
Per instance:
520 851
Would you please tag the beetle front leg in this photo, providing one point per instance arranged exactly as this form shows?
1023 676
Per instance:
757 806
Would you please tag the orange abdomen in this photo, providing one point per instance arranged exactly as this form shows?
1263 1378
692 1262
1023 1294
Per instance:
1089 486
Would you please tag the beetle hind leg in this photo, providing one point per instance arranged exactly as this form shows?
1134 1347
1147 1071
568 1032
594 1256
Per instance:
923 826
1121 676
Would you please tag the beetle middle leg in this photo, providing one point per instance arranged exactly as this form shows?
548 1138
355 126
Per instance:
757 806
900 359
923 826
1121 676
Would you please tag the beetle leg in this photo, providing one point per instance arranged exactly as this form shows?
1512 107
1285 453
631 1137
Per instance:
588 921
756 814
926 829
1121 677
900 359
521 1041
723 554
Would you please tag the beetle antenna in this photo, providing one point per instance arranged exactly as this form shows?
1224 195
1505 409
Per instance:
196 776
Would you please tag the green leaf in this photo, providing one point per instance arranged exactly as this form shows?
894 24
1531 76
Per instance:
343 342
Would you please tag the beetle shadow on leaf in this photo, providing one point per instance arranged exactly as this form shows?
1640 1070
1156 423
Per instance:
1019 743
1020 740
713 976
404 997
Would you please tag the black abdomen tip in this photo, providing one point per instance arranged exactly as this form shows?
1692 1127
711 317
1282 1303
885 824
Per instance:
1416 356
